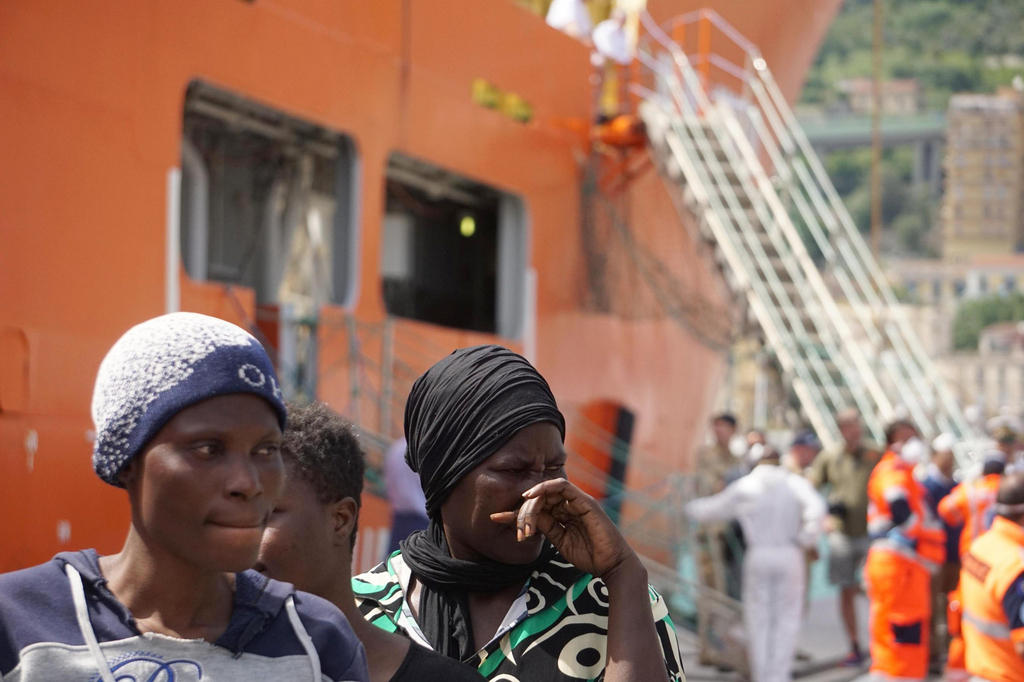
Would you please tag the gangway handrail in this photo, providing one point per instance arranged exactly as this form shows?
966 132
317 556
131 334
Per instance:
859 276
952 411
724 26
868 326
802 382
771 322
812 275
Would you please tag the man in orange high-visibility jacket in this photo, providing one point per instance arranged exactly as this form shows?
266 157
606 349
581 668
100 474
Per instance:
907 547
968 505
992 589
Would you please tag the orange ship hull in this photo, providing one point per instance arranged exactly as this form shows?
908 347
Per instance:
93 125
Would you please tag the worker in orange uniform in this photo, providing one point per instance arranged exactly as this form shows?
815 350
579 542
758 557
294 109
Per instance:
969 505
907 547
992 587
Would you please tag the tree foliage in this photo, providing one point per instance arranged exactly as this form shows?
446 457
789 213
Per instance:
948 46
974 316
908 213
945 44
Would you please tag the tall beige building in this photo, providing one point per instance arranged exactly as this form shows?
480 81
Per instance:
983 210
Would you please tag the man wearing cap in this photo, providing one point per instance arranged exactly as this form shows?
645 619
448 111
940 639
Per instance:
970 507
992 587
781 516
802 451
844 471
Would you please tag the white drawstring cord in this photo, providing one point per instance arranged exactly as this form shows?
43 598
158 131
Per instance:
304 638
84 626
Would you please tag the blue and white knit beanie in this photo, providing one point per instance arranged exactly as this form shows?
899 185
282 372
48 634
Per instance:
160 367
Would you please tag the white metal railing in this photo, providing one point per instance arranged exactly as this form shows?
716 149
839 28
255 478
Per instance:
912 373
800 322
872 344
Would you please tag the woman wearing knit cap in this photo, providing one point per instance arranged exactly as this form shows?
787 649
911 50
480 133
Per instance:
188 418
519 573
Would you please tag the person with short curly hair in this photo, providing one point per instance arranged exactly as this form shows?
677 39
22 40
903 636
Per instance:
312 532
320 448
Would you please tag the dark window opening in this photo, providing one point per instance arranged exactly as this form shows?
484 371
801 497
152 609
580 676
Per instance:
452 251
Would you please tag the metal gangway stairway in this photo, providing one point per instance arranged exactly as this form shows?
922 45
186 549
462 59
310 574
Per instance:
744 172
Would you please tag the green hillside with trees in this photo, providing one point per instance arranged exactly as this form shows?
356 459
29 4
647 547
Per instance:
973 316
948 46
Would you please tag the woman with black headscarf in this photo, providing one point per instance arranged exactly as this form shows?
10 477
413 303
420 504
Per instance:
519 573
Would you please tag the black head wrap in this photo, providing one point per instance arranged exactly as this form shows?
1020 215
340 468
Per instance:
464 408
459 413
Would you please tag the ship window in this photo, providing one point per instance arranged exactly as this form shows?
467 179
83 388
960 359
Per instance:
453 250
267 200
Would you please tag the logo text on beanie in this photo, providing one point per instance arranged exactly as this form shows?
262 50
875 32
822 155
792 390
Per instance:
254 376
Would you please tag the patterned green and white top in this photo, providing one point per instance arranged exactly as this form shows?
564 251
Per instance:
555 631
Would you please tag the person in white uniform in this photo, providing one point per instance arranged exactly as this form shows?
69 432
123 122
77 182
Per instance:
781 515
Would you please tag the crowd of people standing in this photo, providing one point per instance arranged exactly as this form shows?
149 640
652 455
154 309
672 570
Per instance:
244 511
243 515
938 552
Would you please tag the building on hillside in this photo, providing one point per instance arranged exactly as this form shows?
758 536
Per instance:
1003 338
983 209
941 283
900 97
993 376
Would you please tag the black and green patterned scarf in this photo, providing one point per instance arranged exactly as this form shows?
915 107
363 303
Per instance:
443 608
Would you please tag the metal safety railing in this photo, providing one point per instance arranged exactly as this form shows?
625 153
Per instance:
722 130
844 250
689 136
